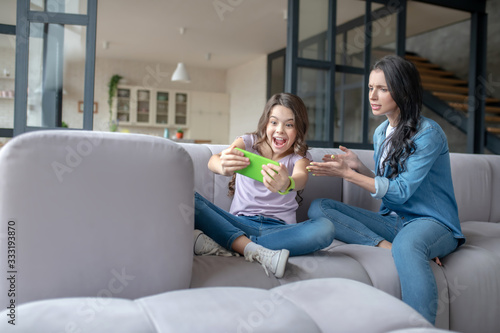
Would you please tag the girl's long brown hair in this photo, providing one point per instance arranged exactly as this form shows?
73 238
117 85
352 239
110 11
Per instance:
299 110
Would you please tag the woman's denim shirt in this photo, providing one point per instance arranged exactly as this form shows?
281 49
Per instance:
425 188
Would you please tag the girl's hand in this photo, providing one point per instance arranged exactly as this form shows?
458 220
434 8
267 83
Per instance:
348 157
232 160
275 177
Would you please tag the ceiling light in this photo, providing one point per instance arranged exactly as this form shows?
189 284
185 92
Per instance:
181 74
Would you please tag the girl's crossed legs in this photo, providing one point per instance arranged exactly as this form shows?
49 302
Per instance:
224 228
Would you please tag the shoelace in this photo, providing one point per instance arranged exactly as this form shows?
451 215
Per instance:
264 258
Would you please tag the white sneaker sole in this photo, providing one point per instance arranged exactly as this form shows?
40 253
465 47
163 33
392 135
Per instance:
283 259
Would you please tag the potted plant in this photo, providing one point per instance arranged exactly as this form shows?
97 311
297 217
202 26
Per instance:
179 134
113 87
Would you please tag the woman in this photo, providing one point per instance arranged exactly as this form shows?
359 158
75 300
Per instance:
418 217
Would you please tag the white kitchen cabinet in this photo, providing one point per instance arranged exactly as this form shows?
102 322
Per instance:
139 106
209 117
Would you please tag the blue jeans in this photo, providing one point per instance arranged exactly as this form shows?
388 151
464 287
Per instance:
414 244
223 227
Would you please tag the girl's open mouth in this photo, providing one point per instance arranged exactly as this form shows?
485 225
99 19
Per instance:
279 142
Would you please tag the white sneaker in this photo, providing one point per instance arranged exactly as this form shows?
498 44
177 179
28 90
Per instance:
206 246
271 260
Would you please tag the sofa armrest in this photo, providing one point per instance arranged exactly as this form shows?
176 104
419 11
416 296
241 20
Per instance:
95 214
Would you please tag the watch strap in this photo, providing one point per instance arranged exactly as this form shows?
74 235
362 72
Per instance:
290 188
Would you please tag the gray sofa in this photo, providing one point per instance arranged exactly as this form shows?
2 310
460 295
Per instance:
468 282
96 235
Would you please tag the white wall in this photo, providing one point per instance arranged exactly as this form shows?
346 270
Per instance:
246 86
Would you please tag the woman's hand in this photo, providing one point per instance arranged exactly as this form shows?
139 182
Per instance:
275 177
349 161
333 166
348 157
232 160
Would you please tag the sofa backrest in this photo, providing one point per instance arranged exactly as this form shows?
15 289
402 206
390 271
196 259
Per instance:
93 214
476 181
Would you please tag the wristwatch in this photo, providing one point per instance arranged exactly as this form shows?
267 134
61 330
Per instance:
290 188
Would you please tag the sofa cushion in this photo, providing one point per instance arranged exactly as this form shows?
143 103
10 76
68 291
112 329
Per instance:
494 162
485 235
472 182
85 314
473 289
321 305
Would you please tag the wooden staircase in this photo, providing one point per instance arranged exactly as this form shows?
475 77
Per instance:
454 91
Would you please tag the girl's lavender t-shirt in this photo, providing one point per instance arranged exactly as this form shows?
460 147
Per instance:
252 197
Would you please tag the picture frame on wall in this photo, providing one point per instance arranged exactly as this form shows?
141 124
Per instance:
80 106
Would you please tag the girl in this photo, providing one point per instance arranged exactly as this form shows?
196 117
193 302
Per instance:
418 217
261 223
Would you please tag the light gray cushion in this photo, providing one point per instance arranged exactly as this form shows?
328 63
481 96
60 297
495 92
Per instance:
86 314
473 289
321 305
227 309
472 182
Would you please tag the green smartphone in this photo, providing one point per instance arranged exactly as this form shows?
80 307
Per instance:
255 166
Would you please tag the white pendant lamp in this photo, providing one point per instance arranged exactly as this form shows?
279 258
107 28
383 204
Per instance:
181 74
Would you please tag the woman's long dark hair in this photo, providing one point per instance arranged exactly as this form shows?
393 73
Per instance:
301 120
405 87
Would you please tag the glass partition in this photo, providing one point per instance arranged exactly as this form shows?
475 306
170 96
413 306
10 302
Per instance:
59 6
7 69
312 89
277 75
348 107
313 27
53 83
384 34
7 80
